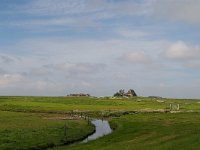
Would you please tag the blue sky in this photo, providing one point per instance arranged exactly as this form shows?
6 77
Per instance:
57 47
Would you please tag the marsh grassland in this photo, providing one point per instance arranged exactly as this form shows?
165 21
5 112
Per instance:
138 123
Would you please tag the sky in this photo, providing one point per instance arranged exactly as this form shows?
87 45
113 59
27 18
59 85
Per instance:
58 47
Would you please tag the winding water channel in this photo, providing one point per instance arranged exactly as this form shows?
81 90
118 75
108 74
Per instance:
102 128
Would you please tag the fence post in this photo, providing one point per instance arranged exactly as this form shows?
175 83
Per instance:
178 107
65 131
88 120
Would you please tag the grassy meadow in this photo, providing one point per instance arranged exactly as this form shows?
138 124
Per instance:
66 104
49 122
152 131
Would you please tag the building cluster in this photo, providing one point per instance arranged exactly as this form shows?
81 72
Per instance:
130 93
79 94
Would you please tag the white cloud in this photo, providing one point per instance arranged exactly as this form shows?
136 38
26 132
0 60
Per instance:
121 76
178 10
79 68
6 59
2 71
20 83
73 13
85 84
63 7
42 85
76 66
130 33
77 50
53 7
41 71
195 64
56 22
80 58
137 57
181 50
10 79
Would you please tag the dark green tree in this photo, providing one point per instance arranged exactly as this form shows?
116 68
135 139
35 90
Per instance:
119 93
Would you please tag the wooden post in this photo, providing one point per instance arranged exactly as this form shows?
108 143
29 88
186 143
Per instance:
178 107
88 120
65 131
81 114
170 107
72 113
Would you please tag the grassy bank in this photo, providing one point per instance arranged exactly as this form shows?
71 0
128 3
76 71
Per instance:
21 131
149 132
44 122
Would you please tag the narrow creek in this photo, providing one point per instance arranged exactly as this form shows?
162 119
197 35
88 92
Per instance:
102 127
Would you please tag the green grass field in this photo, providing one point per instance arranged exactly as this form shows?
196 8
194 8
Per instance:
149 132
37 123
65 104
23 131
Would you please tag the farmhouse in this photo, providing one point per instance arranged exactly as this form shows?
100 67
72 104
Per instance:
130 93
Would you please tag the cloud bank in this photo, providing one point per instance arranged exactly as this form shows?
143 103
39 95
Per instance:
54 47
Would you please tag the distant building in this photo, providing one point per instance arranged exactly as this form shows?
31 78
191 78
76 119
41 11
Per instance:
130 93
157 97
79 94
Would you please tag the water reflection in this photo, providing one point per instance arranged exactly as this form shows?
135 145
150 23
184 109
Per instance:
102 128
